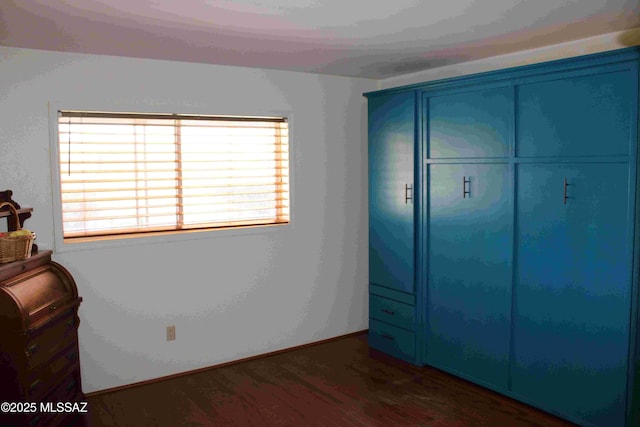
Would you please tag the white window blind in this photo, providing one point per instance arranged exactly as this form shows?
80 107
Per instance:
124 173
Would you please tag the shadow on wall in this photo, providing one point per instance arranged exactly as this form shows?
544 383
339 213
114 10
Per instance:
630 37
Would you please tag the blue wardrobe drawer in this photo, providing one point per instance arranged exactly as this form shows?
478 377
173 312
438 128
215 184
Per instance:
392 340
391 311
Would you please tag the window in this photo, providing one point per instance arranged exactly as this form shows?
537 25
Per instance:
126 173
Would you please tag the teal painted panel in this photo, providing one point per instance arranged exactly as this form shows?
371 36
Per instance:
392 340
392 294
470 124
585 115
470 270
572 292
619 58
393 312
391 168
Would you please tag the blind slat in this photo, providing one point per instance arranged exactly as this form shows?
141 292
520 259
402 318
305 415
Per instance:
185 207
68 198
122 117
159 212
186 227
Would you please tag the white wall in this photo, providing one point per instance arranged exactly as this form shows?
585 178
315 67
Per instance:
230 295
602 43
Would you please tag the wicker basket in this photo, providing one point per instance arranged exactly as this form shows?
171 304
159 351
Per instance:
17 247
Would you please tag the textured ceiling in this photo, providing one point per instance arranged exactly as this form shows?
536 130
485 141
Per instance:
373 39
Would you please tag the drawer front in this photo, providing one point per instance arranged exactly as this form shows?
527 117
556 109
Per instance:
392 340
390 311
41 381
48 309
68 390
49 339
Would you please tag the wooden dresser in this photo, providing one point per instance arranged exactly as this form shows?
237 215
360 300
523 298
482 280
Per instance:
39 361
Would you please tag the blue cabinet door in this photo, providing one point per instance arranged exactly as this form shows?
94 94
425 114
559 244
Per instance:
577 115
470 270
573 289
470 124
391 169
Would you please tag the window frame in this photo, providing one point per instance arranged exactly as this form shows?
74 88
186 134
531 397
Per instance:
60 244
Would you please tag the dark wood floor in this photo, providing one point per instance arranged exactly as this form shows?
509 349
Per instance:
336 383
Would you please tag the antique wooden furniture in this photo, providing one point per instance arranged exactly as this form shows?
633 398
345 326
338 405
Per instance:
39 360
504 232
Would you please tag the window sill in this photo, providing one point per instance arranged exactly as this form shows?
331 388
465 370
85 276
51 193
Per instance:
160 237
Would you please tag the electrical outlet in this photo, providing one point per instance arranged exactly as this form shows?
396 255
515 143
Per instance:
171 333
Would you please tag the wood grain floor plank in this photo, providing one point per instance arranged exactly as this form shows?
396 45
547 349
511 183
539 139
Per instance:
339 383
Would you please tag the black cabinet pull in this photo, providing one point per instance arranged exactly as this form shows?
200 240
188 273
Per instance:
390 312
31 349
34 385
466 187
387 337
566 184
408 198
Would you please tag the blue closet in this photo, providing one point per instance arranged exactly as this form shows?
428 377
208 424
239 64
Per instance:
392 228
504 232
